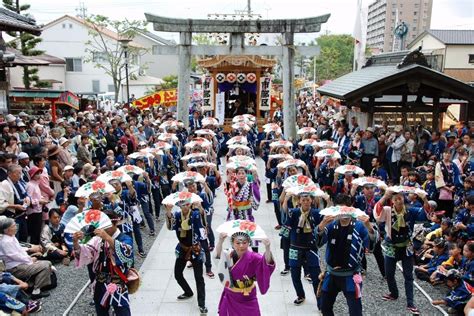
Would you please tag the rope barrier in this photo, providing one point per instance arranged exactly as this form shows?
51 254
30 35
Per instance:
71 306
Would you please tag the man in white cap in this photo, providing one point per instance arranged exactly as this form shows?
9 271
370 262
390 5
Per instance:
11 120
24 162
22 133
394 152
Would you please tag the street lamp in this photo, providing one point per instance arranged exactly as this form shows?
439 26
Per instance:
124 43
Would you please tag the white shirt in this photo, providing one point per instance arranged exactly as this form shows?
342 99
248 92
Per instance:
12 253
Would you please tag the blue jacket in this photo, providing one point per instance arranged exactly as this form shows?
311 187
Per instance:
458 297
360 241
436 261
465 218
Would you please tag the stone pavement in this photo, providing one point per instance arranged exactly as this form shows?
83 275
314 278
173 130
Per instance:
159 289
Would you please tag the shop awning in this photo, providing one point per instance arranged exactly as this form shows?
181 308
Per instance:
35 94
59 97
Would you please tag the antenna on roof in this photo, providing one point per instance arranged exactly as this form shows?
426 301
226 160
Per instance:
81 11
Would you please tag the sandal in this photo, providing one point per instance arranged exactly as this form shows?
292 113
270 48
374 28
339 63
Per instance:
33 306
210 274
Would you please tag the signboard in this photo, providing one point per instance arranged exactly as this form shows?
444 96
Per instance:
159 98
220 107
70 99
265 87
208 93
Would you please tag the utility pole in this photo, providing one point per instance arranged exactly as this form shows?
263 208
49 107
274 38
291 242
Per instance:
249 7
18 6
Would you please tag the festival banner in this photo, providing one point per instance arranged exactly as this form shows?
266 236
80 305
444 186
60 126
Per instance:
207 93
220 107
265 86
159 98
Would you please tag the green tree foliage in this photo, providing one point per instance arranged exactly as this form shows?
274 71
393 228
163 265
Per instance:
108 53
25 43
200 39
170 82
336 56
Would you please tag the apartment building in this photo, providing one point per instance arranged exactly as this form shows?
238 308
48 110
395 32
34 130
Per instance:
385 15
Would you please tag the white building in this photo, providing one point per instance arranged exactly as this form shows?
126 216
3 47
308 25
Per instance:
158 66
66 38
51 69
452 52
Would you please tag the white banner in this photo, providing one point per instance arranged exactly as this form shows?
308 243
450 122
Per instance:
220 107
265 98
208 93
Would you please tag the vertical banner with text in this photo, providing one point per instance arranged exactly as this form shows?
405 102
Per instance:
265 98
208 93
220 107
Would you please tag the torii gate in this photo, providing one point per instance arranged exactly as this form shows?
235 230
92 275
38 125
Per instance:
237 30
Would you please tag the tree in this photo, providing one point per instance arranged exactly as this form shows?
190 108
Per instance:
25 43
335 58
170 82
200 39
106 52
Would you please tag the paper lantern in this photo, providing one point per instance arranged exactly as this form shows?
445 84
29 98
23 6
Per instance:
251 77
231 77
241 77
220 77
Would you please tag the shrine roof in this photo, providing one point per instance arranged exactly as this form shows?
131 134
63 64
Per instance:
253 61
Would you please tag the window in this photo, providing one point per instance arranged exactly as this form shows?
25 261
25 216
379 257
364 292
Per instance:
96 86
471 58
99 57
154 49
74 64
414 28
415 13
400 13
110 88
64 25
133 59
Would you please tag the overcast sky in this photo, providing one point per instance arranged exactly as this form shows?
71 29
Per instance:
447 14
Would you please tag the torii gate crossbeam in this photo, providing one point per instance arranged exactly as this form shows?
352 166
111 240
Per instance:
237 30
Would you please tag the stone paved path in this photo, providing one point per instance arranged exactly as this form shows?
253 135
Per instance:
157 295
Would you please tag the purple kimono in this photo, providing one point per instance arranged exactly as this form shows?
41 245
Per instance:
240 294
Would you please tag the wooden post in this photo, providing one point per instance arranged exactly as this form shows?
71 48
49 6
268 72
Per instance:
370 114
404 113
436 114
257 99
53 111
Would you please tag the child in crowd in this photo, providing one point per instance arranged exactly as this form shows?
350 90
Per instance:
437 255
458 296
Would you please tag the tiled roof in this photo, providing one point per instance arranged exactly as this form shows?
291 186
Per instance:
454 37
12 21
158 38
40 60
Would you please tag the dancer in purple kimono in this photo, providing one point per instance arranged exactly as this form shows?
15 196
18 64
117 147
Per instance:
239 269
